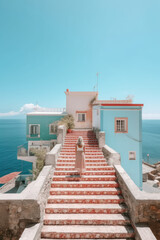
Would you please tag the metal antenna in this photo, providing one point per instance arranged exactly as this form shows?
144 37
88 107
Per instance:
97 80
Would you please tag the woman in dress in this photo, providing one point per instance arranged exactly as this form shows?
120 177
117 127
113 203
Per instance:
80 156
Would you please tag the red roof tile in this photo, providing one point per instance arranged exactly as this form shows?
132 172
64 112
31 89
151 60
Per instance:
8 177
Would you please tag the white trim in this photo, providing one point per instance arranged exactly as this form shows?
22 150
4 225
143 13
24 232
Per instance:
81 113
133 153
54 124
120 127
38 135
46 114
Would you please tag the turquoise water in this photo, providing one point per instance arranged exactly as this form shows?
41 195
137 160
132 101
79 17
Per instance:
151 140
13 134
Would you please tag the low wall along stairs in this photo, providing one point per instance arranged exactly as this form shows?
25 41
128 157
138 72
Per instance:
90 207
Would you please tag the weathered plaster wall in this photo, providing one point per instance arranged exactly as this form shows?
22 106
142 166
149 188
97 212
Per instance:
143 207
112 157
96 117
19 210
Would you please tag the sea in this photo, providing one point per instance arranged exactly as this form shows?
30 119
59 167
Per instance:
13 134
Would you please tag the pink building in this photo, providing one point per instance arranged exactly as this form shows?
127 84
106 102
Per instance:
79 104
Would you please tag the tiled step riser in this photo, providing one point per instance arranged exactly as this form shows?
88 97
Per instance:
72 192
84 179
87 161
84 210
86 222
86 145
85 139
85 174
85 142
88 165
97 235
94 238
86 153
84 185
85 201
86 157
92 138
87 169
86 148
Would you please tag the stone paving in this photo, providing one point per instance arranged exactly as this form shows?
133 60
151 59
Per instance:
87 207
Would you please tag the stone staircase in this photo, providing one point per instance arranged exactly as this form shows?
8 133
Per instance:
90 207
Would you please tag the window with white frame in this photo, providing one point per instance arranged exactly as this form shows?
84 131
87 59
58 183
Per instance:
121 125
81 117
53 127
34 129
132 155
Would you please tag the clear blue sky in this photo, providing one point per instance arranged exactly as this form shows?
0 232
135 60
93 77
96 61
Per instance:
50 45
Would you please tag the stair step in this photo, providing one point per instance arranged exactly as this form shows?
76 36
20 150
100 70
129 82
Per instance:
63 173
113 199
86 145
85 208
69 150
86 160
86 153
85 191
88 168
86 156
86 148
86 219
92 164
86 239
84 179
85 231
65 184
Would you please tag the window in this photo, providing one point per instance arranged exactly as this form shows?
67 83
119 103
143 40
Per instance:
34 130
121 125
81 117
132 155
53 127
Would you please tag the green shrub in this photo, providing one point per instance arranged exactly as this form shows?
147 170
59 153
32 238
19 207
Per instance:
40 154
68 121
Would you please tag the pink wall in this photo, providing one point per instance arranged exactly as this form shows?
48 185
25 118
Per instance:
79 102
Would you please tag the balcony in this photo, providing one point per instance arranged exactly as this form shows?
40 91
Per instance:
24 154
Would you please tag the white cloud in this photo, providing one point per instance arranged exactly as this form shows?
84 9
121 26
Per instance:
29 107
12 113
151 116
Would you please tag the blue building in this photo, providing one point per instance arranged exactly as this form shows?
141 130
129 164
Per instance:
121 120
122 123
42 129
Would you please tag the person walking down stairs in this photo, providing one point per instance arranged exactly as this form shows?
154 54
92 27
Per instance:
80 156
86 207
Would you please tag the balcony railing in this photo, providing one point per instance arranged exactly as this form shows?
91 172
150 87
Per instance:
49 109
22 150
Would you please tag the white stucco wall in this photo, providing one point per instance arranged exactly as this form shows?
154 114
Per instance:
96 117
80 102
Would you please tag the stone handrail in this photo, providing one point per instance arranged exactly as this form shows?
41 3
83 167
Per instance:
100 135
32 233
143 207
112 157
52 156
27 207
61 134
